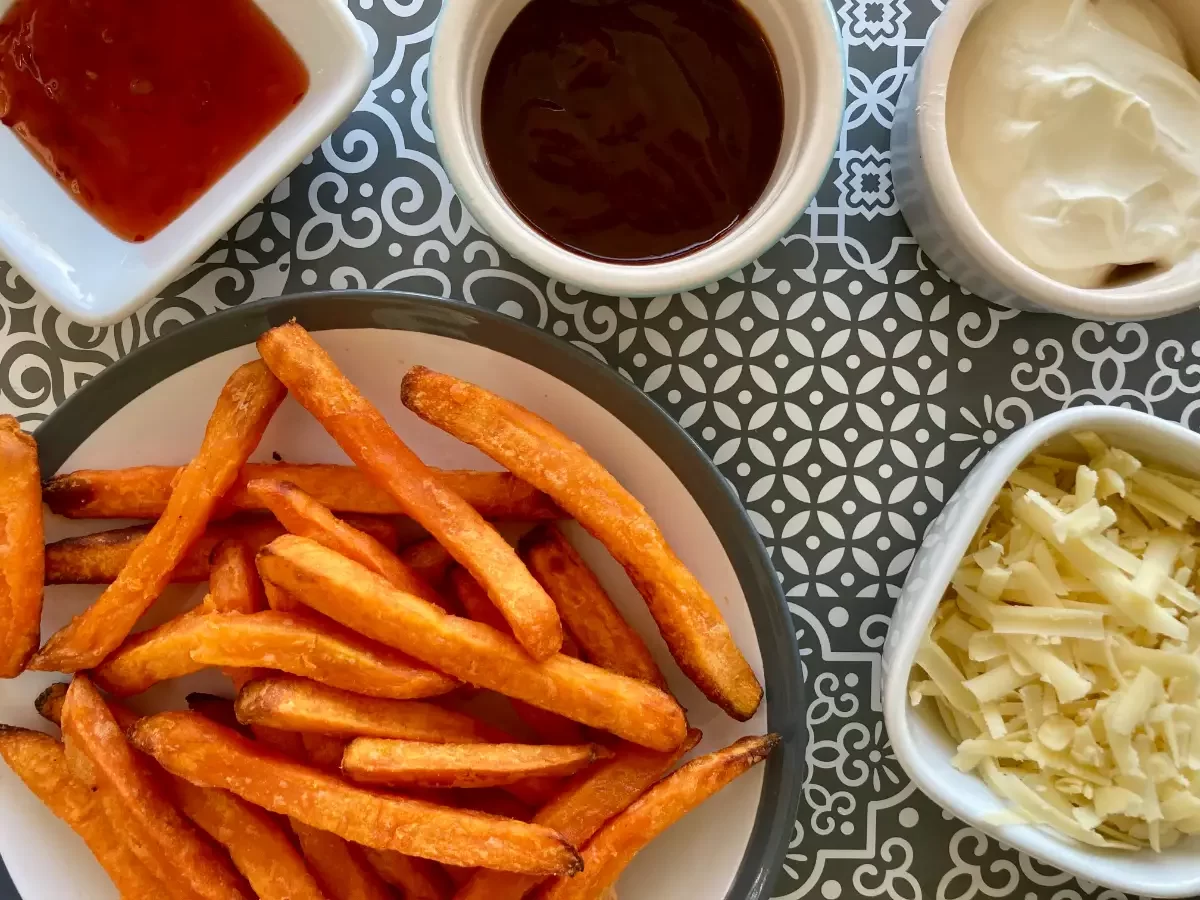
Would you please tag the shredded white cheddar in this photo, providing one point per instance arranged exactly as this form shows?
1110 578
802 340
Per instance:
1065 658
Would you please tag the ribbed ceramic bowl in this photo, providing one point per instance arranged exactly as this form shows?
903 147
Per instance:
807 45
939 216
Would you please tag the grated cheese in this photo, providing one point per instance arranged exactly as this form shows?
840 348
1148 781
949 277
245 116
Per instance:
1065 657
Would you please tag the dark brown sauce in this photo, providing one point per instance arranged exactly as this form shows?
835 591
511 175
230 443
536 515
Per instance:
633 130
138 107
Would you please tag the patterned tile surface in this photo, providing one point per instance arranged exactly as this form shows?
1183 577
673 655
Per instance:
841 383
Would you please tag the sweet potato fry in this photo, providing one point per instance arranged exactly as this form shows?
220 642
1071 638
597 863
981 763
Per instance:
142 492
479 655
297 704
493 801
315 380
98 558
49 703
298 643
421 764
40 761
233 582
245 406
89 728
302 515
21 562
689 619
588 613
417 879
341 867
549 727
618 842
191 747
259 848
591 799
429 559
234 587
216 709
324 750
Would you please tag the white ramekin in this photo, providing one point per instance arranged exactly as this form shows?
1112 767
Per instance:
807 45
939 216
918 738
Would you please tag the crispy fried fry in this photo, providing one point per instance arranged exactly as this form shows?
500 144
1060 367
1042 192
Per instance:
234 585
618 842
297 704
429 559
302 515
550 728
245 406
588 613
417 879
40 761
49 702
98 558
299 643
493 801
90 730
21 562
340 866
204 753
420 764
324 750
216 709
591 799
365 436
259 848
479 655
690 622
142 492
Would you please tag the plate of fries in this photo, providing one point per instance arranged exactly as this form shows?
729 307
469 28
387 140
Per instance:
378 596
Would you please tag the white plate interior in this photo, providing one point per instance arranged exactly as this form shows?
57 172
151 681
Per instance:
698 858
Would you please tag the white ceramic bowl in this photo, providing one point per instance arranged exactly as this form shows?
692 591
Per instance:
918 737
807 45
948 230
97 278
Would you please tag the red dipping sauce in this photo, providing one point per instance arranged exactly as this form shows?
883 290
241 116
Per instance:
139 106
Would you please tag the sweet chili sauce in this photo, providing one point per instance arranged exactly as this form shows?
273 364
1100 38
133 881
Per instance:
138 107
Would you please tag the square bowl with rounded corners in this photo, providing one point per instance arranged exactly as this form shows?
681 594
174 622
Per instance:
918 737
96 277
153 406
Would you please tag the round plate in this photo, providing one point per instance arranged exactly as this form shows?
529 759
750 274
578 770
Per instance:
152 407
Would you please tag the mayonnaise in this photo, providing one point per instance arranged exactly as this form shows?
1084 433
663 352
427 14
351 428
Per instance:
1074 129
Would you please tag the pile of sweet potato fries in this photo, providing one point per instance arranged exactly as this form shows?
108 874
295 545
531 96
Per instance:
361 612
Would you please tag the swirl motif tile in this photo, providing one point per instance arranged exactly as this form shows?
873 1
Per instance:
841 382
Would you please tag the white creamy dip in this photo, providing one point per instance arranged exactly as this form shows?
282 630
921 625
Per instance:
1074 129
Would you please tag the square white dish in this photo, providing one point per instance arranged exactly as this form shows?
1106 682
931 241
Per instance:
918 738
96 277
